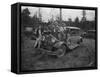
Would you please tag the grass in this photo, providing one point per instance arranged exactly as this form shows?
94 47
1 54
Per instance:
82 56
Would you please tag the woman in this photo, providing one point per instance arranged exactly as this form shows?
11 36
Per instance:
39 38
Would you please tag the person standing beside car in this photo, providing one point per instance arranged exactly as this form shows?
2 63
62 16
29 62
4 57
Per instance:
39 38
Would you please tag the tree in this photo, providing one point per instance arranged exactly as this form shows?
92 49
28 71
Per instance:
25 18
76 22
70 23
35 19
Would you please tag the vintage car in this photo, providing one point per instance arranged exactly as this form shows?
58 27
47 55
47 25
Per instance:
54 46
74 38
90 34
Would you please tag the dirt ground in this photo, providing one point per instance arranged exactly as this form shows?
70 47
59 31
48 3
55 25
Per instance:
82 56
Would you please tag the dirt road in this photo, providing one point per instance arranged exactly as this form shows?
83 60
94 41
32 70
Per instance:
82 56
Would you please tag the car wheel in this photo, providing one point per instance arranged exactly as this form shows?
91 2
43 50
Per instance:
61 51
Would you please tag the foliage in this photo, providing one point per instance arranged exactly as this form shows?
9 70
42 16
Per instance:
34 22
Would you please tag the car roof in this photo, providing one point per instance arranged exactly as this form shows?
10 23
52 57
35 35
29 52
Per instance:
92 30
69 27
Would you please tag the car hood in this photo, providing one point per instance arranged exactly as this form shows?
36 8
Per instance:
58 44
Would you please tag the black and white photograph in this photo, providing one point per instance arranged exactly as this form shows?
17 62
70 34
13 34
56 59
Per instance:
57 38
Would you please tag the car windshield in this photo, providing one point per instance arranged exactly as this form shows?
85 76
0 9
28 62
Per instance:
91 31
74 32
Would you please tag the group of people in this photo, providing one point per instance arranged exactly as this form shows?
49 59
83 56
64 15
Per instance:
62 36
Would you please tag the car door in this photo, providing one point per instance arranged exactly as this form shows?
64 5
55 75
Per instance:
74 36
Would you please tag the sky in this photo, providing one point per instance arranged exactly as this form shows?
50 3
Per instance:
47 13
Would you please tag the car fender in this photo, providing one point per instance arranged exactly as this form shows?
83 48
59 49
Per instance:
58 44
